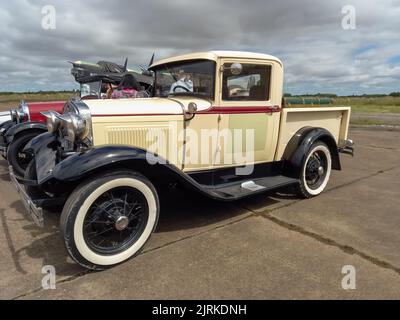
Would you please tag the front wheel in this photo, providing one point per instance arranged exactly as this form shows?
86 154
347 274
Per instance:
109 218
316 170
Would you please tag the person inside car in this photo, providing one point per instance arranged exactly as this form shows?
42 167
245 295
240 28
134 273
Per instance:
183 84
128 88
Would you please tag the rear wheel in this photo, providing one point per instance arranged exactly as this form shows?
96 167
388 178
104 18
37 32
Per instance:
18 159
109 218
316 170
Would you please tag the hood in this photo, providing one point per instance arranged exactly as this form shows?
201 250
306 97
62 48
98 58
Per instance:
144 106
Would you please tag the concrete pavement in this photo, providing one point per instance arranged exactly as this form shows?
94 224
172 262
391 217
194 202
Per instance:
266 247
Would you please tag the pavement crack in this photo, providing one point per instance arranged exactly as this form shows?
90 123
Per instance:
345 248
325 240
14 253
199 233
361 178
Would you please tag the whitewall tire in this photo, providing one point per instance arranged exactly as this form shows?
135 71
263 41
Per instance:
315 171
109 218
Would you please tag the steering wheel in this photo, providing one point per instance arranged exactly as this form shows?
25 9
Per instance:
181 87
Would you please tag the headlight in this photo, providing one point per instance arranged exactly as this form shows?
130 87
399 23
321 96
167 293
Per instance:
20 114
52 120
76 127
14 115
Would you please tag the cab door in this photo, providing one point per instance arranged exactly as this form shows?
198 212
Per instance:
249 103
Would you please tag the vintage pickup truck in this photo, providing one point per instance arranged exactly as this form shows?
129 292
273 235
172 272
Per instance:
27 121
216 125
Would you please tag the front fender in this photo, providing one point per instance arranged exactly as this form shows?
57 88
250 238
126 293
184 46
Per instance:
68 173
5 126
93 160
17 129
300 144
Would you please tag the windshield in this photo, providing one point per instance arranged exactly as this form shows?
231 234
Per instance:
185 78
90 89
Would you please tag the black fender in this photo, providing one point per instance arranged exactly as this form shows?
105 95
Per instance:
97 159
298 146
82 164
6 125
23 127
71 171
40 142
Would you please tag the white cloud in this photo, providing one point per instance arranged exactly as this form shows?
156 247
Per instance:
319 55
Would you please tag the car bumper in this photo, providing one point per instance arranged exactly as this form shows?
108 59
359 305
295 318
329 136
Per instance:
347 147
35 212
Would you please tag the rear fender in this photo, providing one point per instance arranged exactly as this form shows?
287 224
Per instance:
300 144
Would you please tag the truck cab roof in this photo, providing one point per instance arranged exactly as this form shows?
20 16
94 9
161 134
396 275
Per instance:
215 55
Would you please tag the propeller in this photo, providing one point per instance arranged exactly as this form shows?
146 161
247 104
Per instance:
126 64
152 59
146 71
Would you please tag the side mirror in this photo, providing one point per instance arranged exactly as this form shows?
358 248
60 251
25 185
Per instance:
191 111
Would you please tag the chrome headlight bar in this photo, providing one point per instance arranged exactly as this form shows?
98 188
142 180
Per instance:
52 121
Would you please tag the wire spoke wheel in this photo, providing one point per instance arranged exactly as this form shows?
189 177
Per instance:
316 169
115 220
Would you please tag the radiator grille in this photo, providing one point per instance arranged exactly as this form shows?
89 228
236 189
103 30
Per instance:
146 138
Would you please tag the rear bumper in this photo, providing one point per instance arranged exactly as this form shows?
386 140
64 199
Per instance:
35 212
347 147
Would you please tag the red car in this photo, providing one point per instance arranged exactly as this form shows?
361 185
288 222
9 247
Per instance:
27 121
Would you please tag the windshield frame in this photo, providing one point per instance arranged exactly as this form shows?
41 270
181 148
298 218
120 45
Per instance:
89 83
174 64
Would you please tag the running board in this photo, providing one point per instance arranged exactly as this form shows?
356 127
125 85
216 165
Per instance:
244 188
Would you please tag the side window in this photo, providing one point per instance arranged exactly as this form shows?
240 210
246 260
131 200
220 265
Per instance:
252 84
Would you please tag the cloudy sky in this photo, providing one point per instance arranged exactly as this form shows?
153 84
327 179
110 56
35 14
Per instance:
318 53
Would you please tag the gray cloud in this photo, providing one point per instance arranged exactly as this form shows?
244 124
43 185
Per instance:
319 56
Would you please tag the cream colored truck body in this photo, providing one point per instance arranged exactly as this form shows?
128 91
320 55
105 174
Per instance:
130 121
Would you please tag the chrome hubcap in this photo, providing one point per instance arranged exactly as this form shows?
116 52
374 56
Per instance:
121 223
